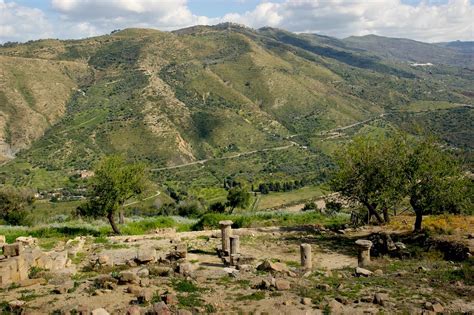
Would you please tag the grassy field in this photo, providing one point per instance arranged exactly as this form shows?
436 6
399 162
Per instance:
421 106
279 199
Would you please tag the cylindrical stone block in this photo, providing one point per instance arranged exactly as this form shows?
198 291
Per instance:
234 244
363 254
306 258
234 259
226 233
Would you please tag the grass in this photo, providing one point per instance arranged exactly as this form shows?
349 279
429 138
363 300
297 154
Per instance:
438 224
256 296
185 286
419 106
211 221
279 199
49 235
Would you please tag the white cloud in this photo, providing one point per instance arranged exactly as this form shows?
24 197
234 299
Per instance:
341 18
81 18
106 15
20 23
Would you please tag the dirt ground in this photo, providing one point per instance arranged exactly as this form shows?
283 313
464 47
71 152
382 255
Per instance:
201 283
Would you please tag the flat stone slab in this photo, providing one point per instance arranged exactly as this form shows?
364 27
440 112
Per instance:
364 243
225 222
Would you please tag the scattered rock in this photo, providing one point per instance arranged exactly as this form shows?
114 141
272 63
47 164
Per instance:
16 306
161 309
380 299
146 255
342 300
378 272
232 272
402 273
100 311
264 285
323 287
184 312
161 271
64 288
179 253
170 299
306 301
367 299
134 289
143 273
145 296
133 310
435 307
185 269
82 310
362 272
269 266
27 241
282 285
245 268
335 307
129 277
422 268
106 282
104 260
145 282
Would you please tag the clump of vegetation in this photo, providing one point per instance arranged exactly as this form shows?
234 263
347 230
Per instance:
379 172
238 197
310 206
256 296
115 182
13 203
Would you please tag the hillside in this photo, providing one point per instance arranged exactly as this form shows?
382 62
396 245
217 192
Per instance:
400 49
33 97
256 104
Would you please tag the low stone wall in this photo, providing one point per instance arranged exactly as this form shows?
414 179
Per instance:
13 267
18 259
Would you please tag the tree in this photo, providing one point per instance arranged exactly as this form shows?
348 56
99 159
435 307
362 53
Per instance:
12 205
368 172
218 207
435 181
114 182
237 197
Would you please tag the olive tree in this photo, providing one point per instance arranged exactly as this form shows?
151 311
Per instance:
369 171
237 197
379 172
435 181
13 203
114 182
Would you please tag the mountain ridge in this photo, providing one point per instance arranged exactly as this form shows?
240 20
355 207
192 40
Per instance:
205 92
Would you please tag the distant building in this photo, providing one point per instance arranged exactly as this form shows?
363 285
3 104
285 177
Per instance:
86 174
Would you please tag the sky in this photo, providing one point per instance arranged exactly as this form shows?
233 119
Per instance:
424 20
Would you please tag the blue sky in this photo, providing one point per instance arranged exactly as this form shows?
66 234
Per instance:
428 20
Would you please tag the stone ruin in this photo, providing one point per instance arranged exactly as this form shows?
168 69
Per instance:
22 255
230 248
231 255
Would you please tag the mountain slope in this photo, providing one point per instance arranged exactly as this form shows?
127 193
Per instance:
33 96
210 93
413 51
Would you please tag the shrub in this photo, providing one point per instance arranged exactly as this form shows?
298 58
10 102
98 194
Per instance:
191 208
218 207
309 206
12 205
333 206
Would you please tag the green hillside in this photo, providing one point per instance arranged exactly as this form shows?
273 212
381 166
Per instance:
401 49
258 105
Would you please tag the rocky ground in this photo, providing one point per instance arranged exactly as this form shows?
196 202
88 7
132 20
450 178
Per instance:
168 272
